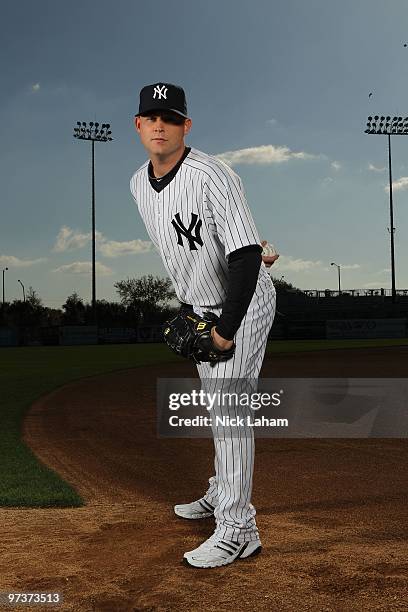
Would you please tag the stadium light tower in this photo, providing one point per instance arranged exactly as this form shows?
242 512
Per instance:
389 126
94 134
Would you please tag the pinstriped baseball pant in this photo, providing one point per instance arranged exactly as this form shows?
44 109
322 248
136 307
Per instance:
231 487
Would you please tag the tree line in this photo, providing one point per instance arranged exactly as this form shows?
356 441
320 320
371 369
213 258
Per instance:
144 300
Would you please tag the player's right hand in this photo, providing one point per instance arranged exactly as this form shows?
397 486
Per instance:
268 259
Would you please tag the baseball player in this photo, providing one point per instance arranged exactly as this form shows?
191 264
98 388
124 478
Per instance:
195 212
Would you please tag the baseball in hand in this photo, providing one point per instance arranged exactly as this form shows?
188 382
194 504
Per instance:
268 249
269 253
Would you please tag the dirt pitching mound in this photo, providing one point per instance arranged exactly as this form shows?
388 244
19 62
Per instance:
332 514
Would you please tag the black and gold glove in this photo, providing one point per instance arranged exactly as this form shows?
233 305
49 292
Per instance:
189 335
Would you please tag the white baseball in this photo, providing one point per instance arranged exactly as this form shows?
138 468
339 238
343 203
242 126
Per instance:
269 250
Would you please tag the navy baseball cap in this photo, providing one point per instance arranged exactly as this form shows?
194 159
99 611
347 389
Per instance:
163 96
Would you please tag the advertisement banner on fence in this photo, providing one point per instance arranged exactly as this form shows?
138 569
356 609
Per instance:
366 328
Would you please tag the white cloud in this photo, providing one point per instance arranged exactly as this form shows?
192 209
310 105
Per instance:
336 165
15 262
85 268
288 263
35 87
271 121
327 181
262 155
342 267
399 185
375 169
112 248
350 266
69 239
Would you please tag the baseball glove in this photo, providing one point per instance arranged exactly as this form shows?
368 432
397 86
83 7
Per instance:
189 335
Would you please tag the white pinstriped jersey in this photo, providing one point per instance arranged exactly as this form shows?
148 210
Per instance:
195 222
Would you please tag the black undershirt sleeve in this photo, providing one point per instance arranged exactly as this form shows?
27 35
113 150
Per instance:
243 270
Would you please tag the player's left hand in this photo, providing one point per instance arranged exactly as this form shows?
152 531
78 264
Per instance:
268 259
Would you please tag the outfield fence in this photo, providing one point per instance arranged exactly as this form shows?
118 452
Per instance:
284 328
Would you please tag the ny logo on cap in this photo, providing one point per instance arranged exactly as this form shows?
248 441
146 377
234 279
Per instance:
159 91
182 230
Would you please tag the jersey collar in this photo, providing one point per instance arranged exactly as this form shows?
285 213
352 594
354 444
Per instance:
159 184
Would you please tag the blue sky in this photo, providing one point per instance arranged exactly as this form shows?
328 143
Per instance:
279 89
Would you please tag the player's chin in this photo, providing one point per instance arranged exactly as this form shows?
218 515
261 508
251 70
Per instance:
160 147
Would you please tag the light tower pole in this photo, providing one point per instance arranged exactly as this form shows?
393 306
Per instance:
4 269
388 126
338 271
94 134
22 287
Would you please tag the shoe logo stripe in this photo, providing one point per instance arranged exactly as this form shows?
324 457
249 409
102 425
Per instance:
231 546
230 552
243 549
202 504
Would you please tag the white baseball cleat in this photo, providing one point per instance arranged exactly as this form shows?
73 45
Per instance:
216 552
195 510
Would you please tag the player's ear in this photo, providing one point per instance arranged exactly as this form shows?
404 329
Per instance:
187 126
137 124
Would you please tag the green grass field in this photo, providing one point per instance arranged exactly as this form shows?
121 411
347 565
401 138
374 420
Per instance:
27 373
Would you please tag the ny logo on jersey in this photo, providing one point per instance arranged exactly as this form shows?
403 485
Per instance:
161 92
181 230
